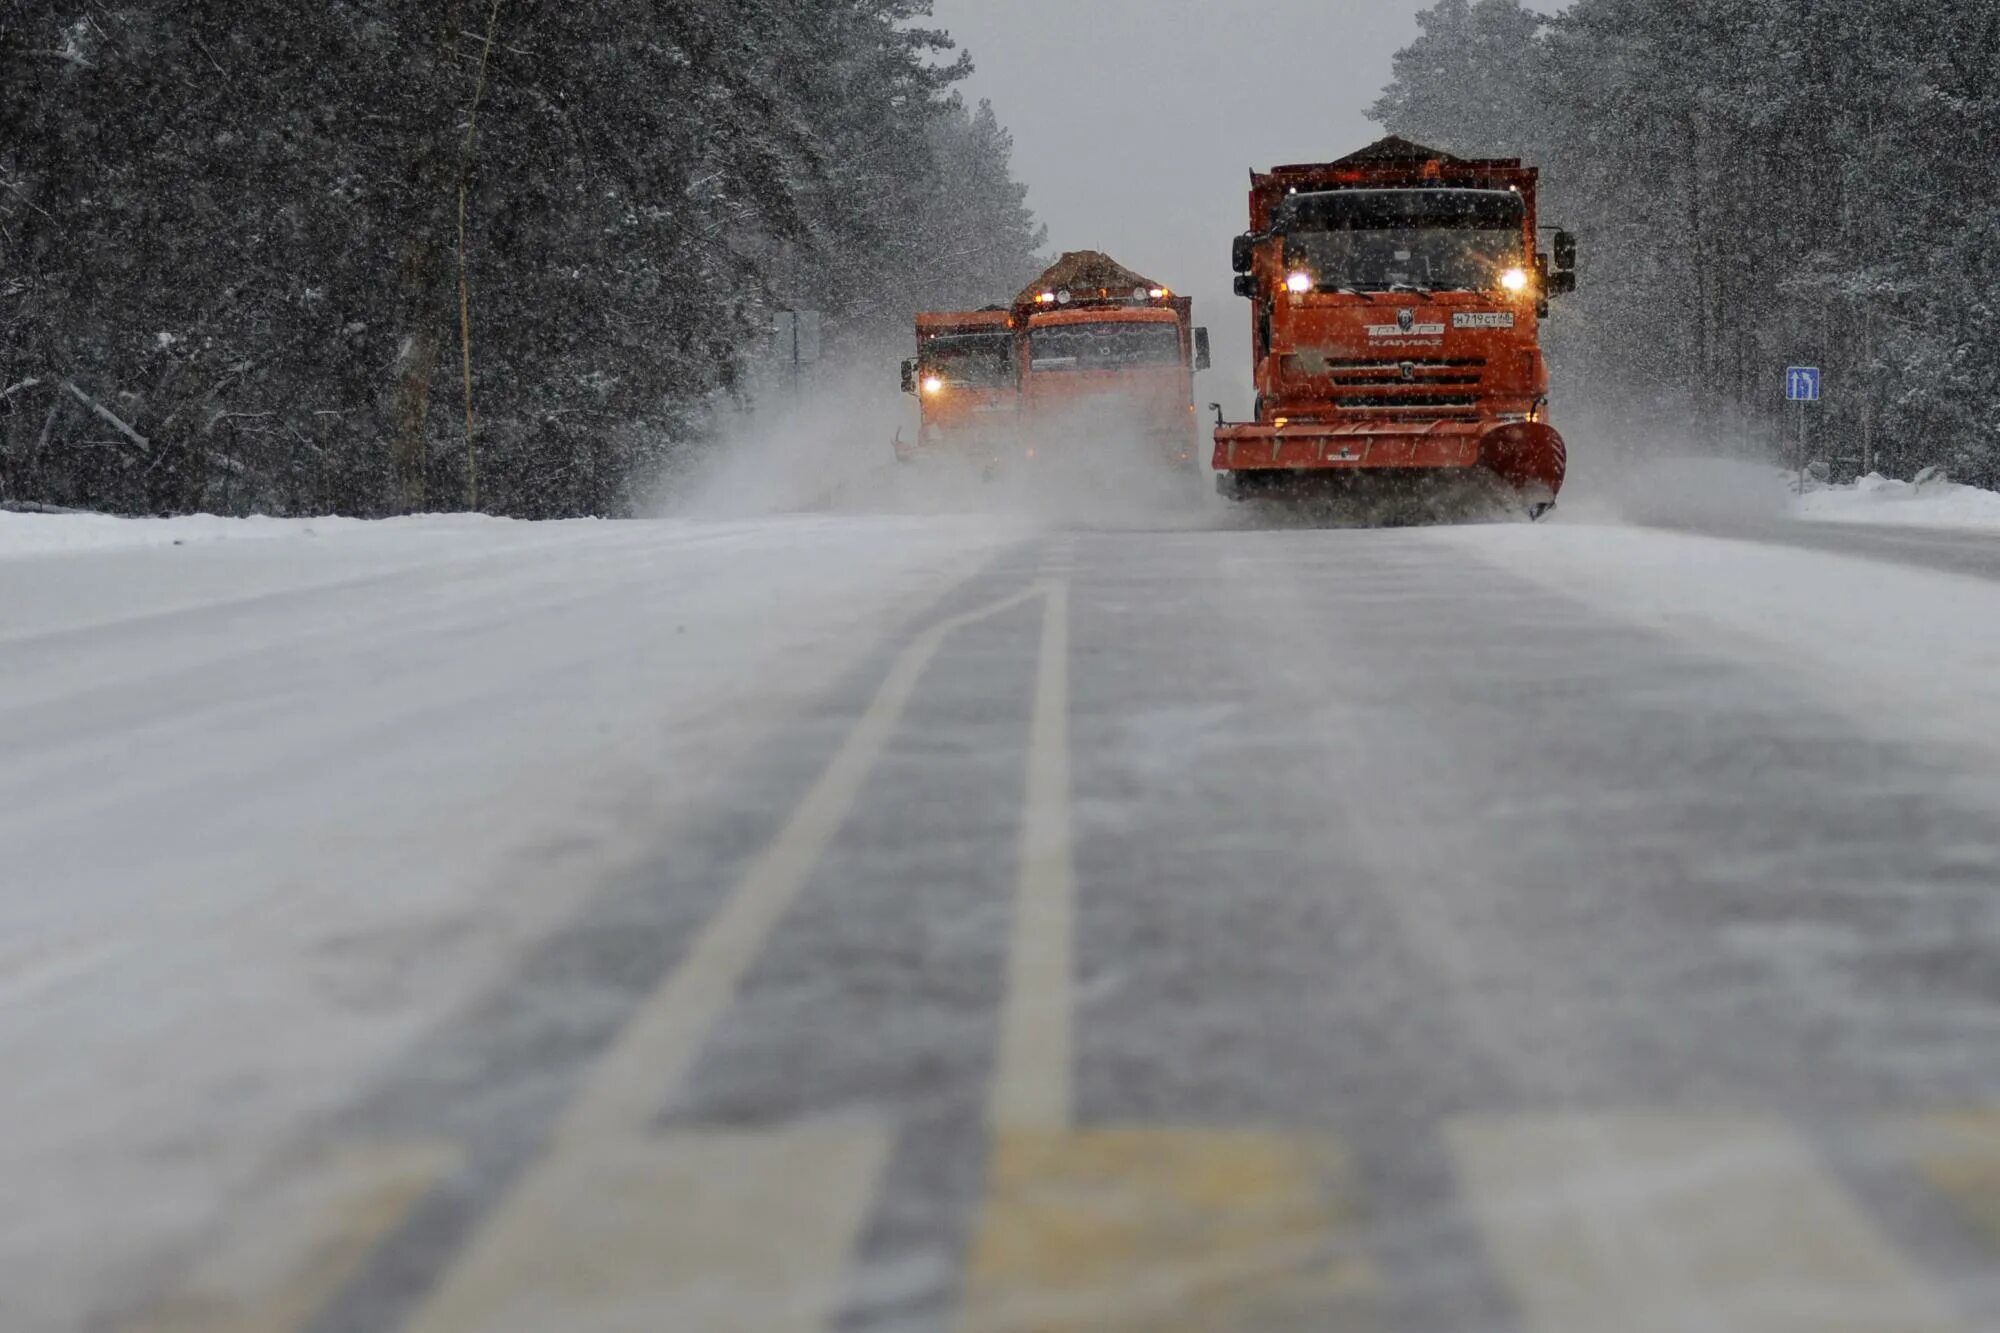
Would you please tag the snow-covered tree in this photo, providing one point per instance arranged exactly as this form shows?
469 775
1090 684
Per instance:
337 256
1757 183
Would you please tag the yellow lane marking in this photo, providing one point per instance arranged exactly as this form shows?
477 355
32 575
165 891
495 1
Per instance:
301 1243
1168 1231
694 1233
1031 1083
1960 1156
1133 1230
789 1218
1657 1224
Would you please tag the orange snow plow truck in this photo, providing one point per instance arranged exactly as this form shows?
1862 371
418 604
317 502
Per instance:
967 386
1398 298
1104 349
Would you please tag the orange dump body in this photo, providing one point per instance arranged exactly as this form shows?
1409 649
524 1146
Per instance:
1402 382
1104 351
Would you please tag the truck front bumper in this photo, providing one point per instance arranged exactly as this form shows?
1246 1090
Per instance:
1526 455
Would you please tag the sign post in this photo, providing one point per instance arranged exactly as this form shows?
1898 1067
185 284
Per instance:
795 338
1802 386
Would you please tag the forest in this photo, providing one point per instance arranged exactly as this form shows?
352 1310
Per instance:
509 255
1756 184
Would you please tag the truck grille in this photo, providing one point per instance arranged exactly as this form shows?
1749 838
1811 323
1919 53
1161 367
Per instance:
1396 363
1454 372
1392 376
1441 402
1410 388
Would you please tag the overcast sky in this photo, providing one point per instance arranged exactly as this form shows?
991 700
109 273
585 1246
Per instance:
1136 122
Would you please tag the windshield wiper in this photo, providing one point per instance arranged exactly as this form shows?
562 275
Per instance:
1424 292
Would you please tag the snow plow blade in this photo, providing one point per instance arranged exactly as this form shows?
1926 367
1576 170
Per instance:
1431 463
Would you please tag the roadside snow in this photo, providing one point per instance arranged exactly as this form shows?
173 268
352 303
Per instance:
1671 489
50 534
270 808
1877 499
1909 654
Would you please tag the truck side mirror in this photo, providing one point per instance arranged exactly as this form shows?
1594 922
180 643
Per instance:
909 376
1246 285
1243 254
1565 251
1562 284
1201 358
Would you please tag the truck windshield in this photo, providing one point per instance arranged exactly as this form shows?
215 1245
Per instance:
1109 345
1379 240
971 360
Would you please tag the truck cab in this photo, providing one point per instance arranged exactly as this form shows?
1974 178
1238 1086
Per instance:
1396 330
1104 350
966 380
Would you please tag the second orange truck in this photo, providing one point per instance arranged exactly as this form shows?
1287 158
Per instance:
1089 346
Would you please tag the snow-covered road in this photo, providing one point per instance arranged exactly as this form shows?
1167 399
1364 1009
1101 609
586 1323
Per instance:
863 923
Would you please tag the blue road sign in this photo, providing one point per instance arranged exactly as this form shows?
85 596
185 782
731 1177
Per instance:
1802 384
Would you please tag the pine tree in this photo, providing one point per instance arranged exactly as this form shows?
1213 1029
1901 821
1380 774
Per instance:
339 257
1756 183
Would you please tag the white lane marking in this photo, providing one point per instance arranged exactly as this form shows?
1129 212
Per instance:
694 1233
641 1222
631 1082
1031 1082
1668 1224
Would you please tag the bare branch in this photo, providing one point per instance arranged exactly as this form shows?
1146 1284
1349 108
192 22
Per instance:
13 389
110 418
202 47
23 196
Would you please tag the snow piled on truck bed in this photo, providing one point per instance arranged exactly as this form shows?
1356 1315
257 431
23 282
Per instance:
1877 499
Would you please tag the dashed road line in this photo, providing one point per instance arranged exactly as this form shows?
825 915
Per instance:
694 1232
1145 1230
1682 1224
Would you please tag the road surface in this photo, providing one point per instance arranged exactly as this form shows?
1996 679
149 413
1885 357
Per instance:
858 925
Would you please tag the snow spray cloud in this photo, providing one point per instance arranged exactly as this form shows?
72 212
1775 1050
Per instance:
1634 466
834 448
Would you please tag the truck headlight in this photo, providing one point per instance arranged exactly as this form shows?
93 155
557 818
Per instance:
933 385
1515 280
1300 282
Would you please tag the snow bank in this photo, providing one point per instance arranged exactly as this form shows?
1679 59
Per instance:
1909 654
270 810
1877 499
48 534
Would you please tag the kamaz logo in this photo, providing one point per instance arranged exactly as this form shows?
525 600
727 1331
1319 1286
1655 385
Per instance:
1406 326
